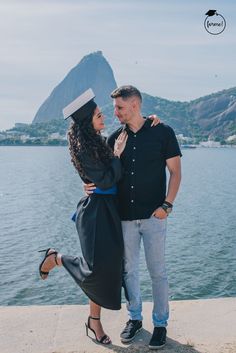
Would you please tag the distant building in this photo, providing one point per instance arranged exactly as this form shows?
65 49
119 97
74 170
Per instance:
17 125
24 138
55 136
13 133
209 143
185 141
231 139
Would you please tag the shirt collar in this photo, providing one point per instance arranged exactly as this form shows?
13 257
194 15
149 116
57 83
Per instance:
146 125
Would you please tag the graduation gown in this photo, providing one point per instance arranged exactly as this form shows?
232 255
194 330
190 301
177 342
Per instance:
99 271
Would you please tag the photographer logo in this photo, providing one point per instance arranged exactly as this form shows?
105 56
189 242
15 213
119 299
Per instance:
214 22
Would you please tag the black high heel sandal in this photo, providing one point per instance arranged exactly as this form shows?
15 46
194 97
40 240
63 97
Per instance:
103 339
47 254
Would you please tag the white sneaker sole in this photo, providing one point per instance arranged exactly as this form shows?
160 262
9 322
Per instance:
126 340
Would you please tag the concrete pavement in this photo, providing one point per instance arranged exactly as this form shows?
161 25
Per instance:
195 326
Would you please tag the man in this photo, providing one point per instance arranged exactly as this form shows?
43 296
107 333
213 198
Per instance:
144 207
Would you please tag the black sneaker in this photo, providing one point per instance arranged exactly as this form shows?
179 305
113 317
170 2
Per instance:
158 339
131 329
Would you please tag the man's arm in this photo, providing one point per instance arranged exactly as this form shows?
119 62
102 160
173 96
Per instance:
174 167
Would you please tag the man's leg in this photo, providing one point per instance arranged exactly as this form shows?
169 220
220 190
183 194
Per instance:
132 240
154 236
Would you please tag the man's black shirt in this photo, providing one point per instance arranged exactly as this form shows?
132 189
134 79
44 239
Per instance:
142 188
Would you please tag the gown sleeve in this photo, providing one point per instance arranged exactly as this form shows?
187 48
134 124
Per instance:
102 176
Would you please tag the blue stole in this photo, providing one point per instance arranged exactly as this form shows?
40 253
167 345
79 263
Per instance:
110 191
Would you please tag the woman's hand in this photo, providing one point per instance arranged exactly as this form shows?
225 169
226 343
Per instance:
155 119
120 143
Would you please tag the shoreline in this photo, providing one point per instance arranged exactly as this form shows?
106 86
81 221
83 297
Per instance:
195 326
66 145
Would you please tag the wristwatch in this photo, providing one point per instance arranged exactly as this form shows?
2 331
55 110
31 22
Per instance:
167 207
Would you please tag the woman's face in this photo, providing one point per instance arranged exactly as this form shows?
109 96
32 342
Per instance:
98 120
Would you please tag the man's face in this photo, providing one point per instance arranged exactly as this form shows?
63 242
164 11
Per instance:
123 109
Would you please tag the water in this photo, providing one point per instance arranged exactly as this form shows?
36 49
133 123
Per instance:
39 190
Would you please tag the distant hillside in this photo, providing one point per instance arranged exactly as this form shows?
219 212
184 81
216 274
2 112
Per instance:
213 115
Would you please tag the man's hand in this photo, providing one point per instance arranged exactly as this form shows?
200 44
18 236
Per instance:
88 188
160 213
155 119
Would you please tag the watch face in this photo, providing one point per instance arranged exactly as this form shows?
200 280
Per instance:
166 208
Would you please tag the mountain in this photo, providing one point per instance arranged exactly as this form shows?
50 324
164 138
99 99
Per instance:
92 71
211 116
215 115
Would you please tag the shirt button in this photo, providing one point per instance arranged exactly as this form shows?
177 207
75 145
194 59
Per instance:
134 135
132 186
132 173
133 160
134 148
132 201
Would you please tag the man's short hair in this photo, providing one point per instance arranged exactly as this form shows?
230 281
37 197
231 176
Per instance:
126 92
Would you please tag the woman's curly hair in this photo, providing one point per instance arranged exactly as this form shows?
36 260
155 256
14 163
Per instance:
84 140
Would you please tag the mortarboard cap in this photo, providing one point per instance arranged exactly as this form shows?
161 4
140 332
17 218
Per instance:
81 107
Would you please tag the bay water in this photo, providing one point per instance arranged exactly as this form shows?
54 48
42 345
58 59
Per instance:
39 191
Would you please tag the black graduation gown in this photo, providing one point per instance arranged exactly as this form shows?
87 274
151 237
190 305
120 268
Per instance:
99 271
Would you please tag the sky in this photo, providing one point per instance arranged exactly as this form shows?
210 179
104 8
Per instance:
160 46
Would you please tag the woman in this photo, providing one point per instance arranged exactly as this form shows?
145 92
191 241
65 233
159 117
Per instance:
99 271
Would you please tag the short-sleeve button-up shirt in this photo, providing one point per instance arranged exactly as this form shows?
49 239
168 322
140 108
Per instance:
142 188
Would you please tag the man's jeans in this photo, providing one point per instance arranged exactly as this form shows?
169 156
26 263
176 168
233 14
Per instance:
153 233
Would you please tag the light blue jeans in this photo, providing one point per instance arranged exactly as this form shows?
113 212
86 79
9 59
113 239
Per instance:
153 233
